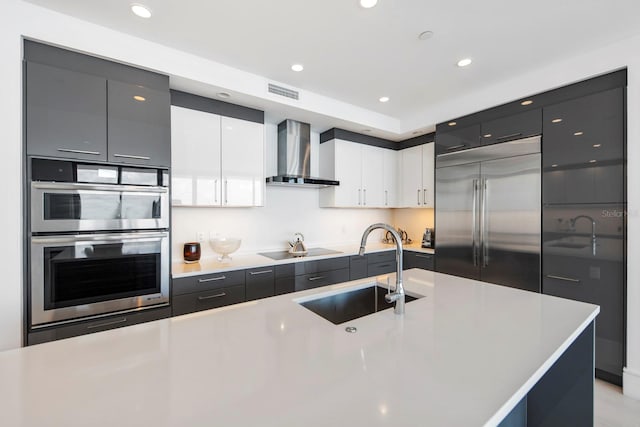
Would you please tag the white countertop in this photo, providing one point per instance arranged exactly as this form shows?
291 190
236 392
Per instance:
242 261
463 355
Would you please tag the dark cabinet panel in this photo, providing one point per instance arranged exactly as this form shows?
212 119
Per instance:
260 283
378 268
205 282
309 267
358 267
285 285
97 325
457 139
214 298
383 256
512 127
66 113
139 124
573 268
316 280
583 149
412 259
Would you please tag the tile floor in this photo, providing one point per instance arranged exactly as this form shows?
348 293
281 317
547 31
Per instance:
613 409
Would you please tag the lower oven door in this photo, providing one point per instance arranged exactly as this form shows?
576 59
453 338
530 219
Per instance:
76 276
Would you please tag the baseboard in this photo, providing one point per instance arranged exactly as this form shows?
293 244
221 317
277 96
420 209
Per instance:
631 383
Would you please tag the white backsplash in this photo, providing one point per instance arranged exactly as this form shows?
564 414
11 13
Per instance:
287 210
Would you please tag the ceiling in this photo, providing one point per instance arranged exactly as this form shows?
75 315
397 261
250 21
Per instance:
358 55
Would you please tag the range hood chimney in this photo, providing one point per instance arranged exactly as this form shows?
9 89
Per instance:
294 157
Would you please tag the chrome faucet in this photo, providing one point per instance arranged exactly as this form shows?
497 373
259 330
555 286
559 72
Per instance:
593 229
398 295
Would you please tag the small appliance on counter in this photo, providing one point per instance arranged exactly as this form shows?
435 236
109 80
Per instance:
388 237
429 238
297 247
191 252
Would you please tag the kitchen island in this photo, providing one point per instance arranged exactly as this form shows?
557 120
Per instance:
465 354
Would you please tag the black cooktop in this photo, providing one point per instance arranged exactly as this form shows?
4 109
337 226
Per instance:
278 255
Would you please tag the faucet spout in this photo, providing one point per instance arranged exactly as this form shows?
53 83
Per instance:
398 295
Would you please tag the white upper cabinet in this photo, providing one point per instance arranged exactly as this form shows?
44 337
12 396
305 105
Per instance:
361 171
216 161
417 169
390 178
243 179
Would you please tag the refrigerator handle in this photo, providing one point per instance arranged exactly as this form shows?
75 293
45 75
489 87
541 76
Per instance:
483 222
474 222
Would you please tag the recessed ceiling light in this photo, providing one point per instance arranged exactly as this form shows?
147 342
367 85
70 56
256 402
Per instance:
297 67
556 120
452 123
579 133
592 161
425 35
368 4
488 135
141 10
139 98
527 102
554 166
224 95
464 62
384 99
597 145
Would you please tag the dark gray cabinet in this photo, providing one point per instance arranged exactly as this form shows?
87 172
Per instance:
321 278
512 127
421 260
358 267
583 149
260 283
139 124
285 279
453 140
381 263
206 282
97 325
207 291
66 113
87 108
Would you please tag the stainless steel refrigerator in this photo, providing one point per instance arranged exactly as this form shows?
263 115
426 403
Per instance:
488 213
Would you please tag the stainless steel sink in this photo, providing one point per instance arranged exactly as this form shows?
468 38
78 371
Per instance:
346 306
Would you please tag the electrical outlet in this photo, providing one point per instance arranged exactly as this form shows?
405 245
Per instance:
200 236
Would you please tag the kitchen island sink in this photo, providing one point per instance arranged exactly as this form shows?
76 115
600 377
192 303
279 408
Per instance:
350 305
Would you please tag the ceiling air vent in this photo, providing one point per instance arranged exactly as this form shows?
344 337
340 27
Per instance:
283 91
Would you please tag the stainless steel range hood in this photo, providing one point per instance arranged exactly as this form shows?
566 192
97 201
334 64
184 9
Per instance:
294 157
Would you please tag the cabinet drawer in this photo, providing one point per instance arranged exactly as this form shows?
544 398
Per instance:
207 300
316 280
381 257
378 268
512 127
310 267
205 282
285 285
357 267
285 270
417 260
97 325
260 283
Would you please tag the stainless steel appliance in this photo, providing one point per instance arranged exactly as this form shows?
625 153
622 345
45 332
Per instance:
428 238
99 240
294 157
488 213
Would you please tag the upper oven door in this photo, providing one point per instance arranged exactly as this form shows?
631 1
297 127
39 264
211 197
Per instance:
62 207
75 276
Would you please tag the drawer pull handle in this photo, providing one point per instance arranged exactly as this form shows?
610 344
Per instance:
566 279
113 322
453 147
212 279
423 256
311 279
255 273
69 150
221 294
509 136
129 156
384 266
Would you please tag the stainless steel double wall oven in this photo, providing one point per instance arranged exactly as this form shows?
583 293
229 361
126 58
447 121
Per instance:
99 240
